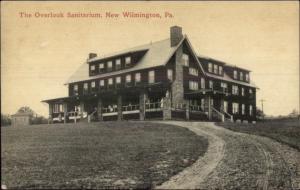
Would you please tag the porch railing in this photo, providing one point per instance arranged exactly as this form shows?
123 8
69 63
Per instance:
154 106
217 114
179 107
196 108
131 107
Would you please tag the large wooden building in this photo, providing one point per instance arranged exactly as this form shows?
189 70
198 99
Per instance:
164 79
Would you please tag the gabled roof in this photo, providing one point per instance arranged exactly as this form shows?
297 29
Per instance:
158 54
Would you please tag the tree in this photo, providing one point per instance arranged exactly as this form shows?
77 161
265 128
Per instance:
26 109
259 114
294 114
5 120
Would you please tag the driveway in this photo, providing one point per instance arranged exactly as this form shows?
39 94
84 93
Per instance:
237 161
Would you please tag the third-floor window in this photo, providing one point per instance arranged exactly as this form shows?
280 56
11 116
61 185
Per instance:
92 67
220 70
216 69
185 59
127 61
193 71
210 67
118 64
241 76
151 77
247 77
75 89
109 66
101 68
235 74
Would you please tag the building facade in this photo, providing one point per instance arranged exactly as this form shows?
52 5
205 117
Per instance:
164 79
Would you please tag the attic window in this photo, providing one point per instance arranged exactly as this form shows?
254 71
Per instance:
216 69
241 76
185 59
127 61
210 67
118 64
220 70
109 65
235 74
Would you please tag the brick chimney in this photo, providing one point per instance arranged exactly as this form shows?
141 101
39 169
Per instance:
175 35
92 55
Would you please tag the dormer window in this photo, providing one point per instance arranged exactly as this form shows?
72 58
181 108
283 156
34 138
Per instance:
216 69
151 76
241 76
235 74
128 78
127 61
185 59
101 67
247 77
210 66
109 66
118 64
193 71
220 70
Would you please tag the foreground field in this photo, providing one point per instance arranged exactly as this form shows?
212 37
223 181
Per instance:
286 130
98 155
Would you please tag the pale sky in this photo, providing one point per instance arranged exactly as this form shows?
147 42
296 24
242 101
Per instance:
39 54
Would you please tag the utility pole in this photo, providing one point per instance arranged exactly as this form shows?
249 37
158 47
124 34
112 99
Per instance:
262 107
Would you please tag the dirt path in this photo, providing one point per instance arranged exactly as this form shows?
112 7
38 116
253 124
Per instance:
238 161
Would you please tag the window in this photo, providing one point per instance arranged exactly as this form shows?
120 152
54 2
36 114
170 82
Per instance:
235 108
137 77
101 67
247 77
243 91
92 67
110 81
151 75
185 59
101 83
250 110
235 90
85 88
128 78
193 71
202 83
224 86
75 89
202 104
118 80
118 64
220 70
211 84
93 84
170 74
216 69
250 91
193 85
225 106
241 76
235 74
243 109
109 65
127 61
210 67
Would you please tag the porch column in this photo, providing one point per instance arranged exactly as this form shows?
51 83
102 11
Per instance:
167 112
187 110
65 112
50 113
81 109
208 104
99 109
142 102
119 107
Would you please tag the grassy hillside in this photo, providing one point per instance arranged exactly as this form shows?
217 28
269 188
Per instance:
97 155
283 130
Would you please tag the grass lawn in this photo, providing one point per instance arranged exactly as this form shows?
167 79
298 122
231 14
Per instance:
283 130
96 155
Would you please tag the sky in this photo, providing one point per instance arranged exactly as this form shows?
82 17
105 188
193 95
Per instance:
39 54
